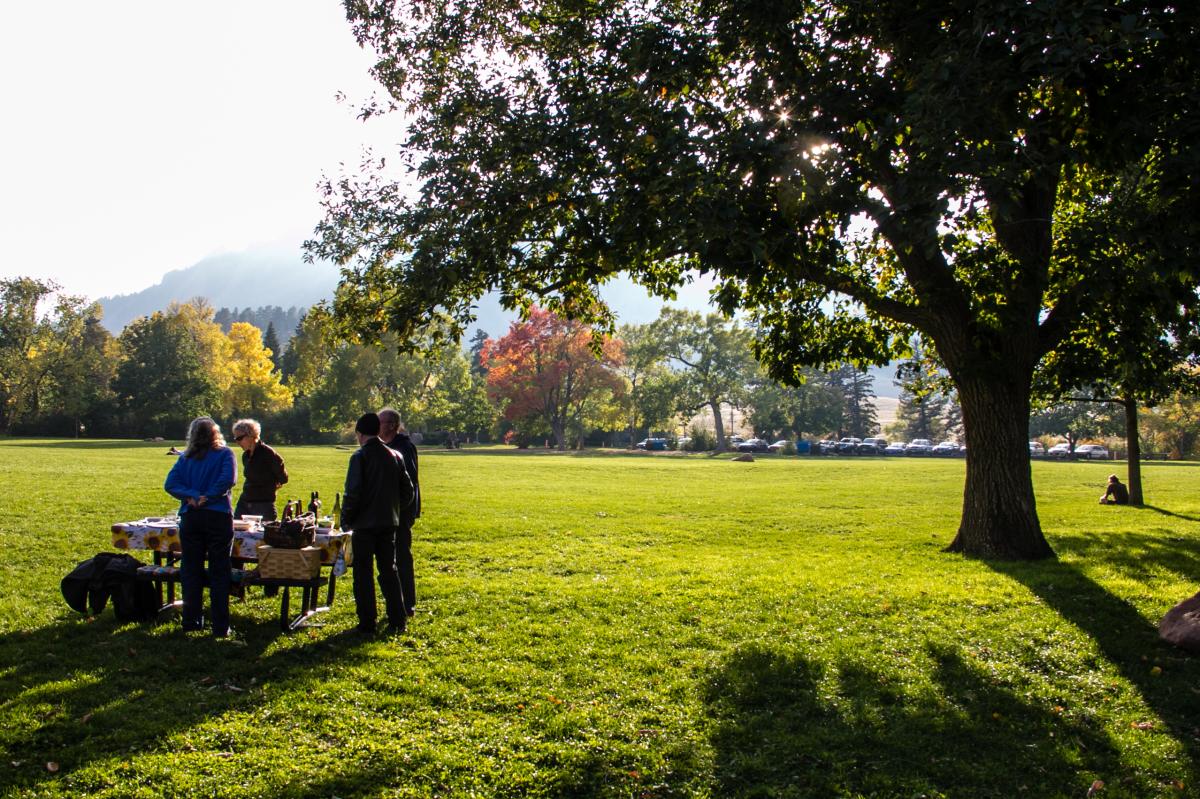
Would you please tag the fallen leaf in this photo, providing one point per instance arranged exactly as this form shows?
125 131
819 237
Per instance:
233 687
86 718
1142 725
52 767
1156 671
1097 786
206 680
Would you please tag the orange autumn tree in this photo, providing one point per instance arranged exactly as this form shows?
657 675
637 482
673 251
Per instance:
545 373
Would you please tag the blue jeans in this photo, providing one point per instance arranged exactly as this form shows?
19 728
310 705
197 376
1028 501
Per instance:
205 534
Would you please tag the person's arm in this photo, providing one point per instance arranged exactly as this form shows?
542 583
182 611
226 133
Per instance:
175 485
405 485
350 495
281 475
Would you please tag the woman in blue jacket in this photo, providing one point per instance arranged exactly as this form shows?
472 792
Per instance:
201 480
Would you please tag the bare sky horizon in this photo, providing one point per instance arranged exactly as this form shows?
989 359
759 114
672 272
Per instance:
144 136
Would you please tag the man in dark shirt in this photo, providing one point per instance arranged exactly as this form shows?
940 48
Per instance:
377 493
1116 493
264 471
390 433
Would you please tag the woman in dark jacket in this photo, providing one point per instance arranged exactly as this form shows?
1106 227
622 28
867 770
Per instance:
201 480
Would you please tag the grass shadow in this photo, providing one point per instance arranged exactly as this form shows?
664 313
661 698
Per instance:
1171 513
1125 638
1137 555
87 690
786 725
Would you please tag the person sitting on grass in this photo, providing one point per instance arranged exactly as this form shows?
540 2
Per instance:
1116 493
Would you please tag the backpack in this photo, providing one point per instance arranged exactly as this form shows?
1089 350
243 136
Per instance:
92 582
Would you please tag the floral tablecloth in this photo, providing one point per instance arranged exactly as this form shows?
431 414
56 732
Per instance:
161 534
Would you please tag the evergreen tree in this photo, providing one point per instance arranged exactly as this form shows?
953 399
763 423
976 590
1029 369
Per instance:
271 342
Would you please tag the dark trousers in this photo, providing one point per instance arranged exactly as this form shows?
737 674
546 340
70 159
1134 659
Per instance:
376 549
404 565
265 509
205 535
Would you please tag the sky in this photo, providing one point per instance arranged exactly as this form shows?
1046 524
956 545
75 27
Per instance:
140 137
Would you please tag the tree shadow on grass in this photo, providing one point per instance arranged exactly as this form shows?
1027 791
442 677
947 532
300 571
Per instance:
789 726
1172 513
1135 554
1125 638
83 691
94 444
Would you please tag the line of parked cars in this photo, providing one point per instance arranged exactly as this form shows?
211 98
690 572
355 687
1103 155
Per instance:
1062 451
877 445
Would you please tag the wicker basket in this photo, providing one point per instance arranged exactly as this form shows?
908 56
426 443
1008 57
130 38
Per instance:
288 564
292 534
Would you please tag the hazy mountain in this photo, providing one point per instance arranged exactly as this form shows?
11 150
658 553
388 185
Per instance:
274 277
251 278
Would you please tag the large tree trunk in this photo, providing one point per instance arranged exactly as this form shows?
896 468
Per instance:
999 518
718 426
1134 451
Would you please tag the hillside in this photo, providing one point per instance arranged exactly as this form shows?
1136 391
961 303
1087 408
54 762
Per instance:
251 278
276 277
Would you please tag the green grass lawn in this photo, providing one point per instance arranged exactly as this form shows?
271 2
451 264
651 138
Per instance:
625 626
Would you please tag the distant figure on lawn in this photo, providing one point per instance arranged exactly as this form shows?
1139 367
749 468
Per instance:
1116 493
377 494
264 471
202 479
392 433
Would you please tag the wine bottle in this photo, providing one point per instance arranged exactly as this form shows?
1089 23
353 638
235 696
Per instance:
337 511
314 504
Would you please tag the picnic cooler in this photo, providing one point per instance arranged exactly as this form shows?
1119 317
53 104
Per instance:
288 564
291 534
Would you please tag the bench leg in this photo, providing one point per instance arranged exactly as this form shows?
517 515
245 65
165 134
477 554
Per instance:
283 611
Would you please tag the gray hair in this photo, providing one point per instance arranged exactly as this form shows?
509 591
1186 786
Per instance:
391 414
203 434
247 426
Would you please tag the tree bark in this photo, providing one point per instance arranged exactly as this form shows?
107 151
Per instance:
718 426
999 518
1134 451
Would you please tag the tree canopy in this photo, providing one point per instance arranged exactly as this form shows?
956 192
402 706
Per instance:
851 171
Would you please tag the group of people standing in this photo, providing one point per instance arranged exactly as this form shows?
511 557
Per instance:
381 502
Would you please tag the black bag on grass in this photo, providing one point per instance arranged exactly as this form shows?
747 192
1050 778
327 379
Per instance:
110 574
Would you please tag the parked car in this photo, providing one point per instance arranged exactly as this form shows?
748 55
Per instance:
753 445
827 446
946 449
652 444
1095 452
895 449
1060 451
735 440
1036 450
872 446
779 445
919 446
848 445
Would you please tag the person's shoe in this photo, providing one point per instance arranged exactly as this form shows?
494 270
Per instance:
230 637
366 630
410 612
397 629
193 627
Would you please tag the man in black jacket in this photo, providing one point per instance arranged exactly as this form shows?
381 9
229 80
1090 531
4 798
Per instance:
390 433
377 493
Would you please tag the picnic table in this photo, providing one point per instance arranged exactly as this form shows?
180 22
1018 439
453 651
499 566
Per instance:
160 535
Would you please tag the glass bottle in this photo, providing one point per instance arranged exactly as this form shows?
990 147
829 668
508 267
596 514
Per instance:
337 511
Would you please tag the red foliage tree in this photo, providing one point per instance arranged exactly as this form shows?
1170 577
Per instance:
545 369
